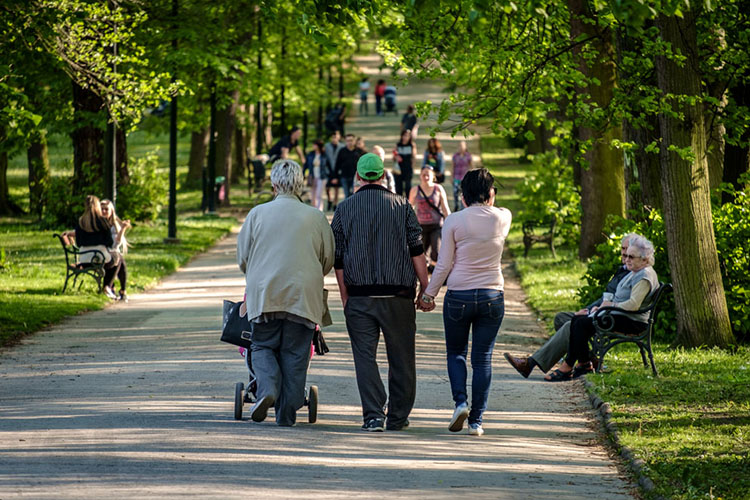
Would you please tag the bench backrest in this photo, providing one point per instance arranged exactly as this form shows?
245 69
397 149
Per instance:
656 300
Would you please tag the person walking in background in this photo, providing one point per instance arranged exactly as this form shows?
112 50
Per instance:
283 146
433 156
473 241
409 121
118 227
364 88
346 165
332 149
378 261
403 156
285 248
93 234
431 205
316 166
379 93
461 165
360 146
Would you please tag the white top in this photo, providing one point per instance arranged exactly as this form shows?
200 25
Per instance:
364 86
471 250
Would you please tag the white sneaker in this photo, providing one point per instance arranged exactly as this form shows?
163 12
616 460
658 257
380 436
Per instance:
475 430
460 414
109 293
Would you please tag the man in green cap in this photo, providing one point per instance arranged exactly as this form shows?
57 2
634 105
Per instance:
378 261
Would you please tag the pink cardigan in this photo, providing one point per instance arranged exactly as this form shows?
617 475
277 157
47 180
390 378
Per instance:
471 250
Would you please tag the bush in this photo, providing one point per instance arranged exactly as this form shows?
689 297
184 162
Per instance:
143 197
550 190
732 231
61 207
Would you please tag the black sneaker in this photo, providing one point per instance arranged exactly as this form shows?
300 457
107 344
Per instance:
259 411
399 427
373 425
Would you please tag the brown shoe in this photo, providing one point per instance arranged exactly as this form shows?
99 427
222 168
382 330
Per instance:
521 365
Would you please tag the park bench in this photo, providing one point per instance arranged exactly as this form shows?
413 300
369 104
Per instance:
74 268
531 235
605 339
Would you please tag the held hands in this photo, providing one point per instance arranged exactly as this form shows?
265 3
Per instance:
425 303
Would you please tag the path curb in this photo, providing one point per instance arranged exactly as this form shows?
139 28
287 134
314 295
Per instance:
604 412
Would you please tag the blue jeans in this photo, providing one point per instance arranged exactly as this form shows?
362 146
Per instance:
481 311
348 184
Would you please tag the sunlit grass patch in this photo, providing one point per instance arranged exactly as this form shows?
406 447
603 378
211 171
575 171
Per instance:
691 424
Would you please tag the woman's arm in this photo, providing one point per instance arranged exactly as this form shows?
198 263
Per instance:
445 260
443 201
440 164
413 196
637 295
424 157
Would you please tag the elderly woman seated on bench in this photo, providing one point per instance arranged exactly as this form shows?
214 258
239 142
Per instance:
634 291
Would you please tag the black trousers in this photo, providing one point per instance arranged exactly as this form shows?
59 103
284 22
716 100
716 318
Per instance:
582 329
366 317
431 237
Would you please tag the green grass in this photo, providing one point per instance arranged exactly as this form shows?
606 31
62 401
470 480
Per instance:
691 425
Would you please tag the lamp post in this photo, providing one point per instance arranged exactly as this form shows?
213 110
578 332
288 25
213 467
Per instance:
172 211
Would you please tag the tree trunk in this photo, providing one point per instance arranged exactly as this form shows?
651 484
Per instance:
269 125
225 123
602 175
123 174
39 173
7 207
702 316
240 150
250 136
647 166
88 138
198 147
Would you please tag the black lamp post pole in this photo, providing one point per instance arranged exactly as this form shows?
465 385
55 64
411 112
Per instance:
172 227
212 155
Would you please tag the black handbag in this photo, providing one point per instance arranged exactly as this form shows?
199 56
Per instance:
236 329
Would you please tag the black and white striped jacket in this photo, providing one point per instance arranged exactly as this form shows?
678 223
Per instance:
377 234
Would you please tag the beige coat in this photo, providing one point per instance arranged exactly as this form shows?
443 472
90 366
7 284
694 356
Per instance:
285 248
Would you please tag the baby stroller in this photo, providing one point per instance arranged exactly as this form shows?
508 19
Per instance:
247 394
390 99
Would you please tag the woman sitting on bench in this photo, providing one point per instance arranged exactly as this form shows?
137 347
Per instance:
118 227
93 233
635 290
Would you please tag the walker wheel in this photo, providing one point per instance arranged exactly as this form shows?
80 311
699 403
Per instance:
239 397
312 409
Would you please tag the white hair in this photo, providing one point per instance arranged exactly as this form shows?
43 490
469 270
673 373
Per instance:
644 247
626 239
379 151
286 177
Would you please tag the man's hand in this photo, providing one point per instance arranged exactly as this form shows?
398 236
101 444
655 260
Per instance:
582 312
426 307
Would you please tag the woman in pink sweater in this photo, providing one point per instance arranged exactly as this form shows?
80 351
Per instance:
472 247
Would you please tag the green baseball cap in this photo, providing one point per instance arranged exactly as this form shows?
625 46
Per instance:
370 167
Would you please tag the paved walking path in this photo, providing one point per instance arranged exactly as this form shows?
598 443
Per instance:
135 401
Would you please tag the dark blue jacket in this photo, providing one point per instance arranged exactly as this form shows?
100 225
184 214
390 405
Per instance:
324 167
